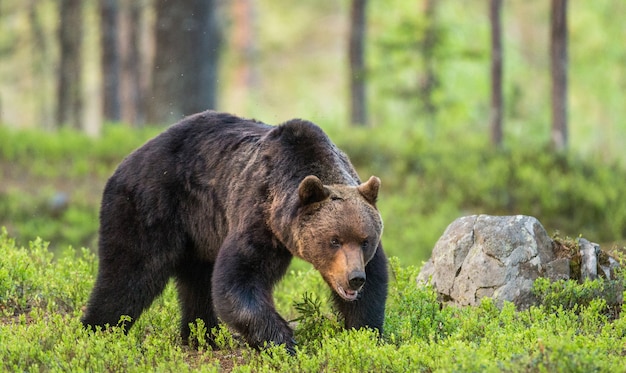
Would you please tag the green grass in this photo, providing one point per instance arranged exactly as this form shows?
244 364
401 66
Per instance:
41 297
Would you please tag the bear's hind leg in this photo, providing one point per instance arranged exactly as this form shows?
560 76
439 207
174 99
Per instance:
121 290
193 280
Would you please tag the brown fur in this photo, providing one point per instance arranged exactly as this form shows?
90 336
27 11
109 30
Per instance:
222 204
347 214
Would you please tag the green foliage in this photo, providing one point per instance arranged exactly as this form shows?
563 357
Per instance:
314 325
199 335
418 314
425 71
41 296
572 295
69 153
38 167
35 215
223 338
398 55
28 278
62 344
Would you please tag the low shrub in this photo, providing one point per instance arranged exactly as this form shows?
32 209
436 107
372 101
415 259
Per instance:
42 294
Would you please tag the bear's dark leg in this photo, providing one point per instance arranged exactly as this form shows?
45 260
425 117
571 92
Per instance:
369 309
194 291
135 264
122 289
243 280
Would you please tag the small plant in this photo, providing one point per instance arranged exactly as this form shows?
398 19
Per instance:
223 338
313 324
418 313
123 322
198 335
577 293
572 295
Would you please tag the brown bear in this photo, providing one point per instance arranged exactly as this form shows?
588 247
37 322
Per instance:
222 204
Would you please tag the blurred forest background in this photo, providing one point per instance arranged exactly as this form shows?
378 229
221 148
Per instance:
462 107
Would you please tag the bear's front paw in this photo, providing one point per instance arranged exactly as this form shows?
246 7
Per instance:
289 344
273 335
283 335
291 347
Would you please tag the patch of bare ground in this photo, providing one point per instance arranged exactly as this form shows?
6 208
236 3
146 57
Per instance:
227 359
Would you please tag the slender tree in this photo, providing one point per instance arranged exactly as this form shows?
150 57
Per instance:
428 81
69 86
188 41
133 55
41 68
123 60
136 60
559 62
110 59
356 52
495 8
244 42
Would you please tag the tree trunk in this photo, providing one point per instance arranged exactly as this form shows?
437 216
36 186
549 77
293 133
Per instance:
358 102
428 82
135 61
246 77
188 40
110 59
558 58
132 89
69 88
495 9
42 68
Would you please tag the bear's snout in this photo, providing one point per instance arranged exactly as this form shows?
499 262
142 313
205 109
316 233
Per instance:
356 279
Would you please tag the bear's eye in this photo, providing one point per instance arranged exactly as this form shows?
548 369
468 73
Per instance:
364 244
335 243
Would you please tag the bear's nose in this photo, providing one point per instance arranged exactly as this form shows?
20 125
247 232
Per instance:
356 279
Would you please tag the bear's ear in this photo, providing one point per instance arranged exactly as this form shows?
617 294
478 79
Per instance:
312 190
369 189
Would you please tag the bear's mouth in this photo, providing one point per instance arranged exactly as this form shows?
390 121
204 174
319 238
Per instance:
349 295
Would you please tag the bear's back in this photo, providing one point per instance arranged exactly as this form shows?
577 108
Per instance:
212 129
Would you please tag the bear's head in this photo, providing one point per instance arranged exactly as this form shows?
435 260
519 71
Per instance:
338 231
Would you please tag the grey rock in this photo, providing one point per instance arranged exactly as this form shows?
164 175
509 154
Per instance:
494 256
558 269
500 257
588 259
